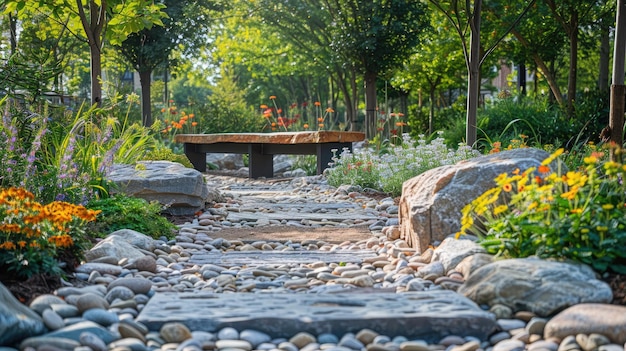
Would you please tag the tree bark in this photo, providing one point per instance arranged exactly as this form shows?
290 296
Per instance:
573 57
96 74
605 57
473 82
370 104
146 108
616 115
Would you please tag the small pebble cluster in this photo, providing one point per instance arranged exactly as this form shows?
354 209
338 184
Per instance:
100 313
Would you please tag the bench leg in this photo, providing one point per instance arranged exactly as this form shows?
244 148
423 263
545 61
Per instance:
325 154
198 159
259 164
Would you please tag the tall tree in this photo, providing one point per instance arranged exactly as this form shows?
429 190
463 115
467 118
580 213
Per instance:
465 18
93 21
185 29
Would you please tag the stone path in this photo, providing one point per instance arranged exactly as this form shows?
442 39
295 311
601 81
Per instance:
208 291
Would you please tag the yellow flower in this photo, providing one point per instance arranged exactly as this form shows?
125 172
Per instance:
500 209
608 207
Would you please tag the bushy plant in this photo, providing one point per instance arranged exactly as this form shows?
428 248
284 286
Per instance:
387 171
125 212
553 213
33 235
163 153
307 163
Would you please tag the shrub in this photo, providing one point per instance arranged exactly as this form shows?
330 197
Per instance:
162 152
395 164
34 235
125 212
551 213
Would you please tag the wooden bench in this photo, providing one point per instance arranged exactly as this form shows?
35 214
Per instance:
261 147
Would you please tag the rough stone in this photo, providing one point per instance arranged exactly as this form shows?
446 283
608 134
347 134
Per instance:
438 313
113 246
452 251
430 201
182 189
589 318
540 286
137 239
16 320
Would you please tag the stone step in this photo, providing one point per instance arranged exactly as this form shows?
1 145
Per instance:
428 316
297 216
260 258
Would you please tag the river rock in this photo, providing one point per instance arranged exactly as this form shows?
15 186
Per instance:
113 246
16 320
137 239
181 189
431 203
540 286
589 318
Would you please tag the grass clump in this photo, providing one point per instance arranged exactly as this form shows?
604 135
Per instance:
125 212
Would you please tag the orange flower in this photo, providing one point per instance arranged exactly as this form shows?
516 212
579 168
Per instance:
191 115
272 97
320 119
321 125
543 169
305 126
507 187
330 110
263 106
194 124
317 103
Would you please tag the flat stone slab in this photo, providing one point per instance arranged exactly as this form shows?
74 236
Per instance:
296 216
428 316
260 258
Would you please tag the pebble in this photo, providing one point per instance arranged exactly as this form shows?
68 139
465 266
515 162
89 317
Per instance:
101 314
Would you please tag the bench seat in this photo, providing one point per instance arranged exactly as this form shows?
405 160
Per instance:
261 147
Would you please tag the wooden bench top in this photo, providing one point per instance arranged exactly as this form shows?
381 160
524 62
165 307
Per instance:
314 137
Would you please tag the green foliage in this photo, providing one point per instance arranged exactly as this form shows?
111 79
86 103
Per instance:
389 169
307 163
164 153
125 212
552 213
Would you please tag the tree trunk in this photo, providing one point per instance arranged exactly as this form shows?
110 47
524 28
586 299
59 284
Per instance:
473 82
605 57
370 104
431 114
96 74
146 108
542 67
573 57
616 115
13 34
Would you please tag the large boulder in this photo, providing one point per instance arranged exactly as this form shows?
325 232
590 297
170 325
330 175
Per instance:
17 321
431 203
531 284
183 190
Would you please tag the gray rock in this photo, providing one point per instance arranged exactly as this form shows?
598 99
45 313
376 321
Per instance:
119 292
42 302
471 263
144 264
254 337
182 189
74 331
137 239
452 251
52 320
530 284
128 344
90 300
431 203
136 285
93 341
589 318
113 246
57 343
100 316
16 320
225 161
103 268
